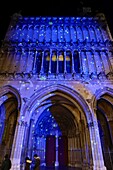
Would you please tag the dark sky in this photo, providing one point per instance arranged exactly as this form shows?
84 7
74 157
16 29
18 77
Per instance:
52 8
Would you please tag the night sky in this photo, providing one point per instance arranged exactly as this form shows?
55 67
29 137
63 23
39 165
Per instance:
53 8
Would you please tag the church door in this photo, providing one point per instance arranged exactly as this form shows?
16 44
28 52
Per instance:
50 150
63 151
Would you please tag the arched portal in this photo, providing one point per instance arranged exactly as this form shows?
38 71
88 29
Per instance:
104 105
55 126
9 105
69 116
58 136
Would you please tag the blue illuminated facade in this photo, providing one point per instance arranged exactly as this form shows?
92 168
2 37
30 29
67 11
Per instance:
56 91
59 45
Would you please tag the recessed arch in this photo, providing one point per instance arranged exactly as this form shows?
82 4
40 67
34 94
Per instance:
63 89
9 89
99 93
103 104
56 98
10 104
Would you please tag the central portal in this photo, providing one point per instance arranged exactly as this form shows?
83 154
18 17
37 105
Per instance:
56 137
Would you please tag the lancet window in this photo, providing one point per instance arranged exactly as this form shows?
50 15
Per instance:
76 62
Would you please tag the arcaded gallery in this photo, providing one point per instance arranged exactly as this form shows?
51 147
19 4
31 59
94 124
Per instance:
56 92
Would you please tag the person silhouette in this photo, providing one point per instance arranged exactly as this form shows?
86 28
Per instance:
6 164
36 162
27 163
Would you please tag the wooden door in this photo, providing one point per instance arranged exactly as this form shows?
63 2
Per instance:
50 150
63 151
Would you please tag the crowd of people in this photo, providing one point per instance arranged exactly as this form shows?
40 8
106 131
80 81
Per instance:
29 164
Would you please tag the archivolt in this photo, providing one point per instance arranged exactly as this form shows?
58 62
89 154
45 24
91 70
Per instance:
6 89
42 93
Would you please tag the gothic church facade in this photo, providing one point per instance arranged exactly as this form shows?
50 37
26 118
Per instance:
56 92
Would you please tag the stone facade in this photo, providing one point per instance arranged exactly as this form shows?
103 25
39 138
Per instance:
56 80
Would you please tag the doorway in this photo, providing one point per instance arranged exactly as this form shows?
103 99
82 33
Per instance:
56 153
63 151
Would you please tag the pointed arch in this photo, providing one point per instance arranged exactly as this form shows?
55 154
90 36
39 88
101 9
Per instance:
6 89
79 102
63 89
99 93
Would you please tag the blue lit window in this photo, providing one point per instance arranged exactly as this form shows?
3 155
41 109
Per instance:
61 62
76 62
39 61
46 61
85 68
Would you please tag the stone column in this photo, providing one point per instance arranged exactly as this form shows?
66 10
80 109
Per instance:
65 71
57 63
102 59
88 147
73 70
83 146
69 152
98 161
24 145
50 61
81 64
73 151
34 62
42 64
10 133
17 145
30 138
56 161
